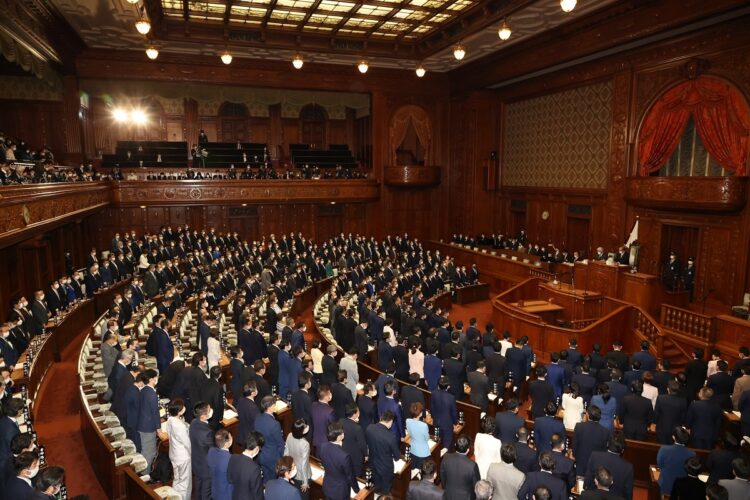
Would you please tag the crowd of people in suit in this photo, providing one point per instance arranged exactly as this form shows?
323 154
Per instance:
379 300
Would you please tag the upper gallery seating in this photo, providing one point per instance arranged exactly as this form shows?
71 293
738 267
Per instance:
335 155
175 154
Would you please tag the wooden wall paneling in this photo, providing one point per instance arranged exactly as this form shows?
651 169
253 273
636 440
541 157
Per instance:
175 130
71 122
209 125
260 131
337 132
36 122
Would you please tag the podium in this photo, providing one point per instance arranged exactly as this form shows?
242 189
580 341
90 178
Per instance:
618 281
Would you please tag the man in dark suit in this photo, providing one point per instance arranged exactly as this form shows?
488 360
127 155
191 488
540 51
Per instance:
507 422
425 488
119 370
339 476
455 370
603 481
189 383
444 412
647 360
702 417
544 477
212 392
387 402
150 282
330 367
341 396
367 408
322 416
617 389
25 467
479 386
384 450
162 345
589 436
669 413
8 430
247 412
39 313
621 469
555 375
695 372
201 440
636 413
458 472
586 382
241 374
722 384
526 457
361 340
541 392
243 471
671 460
149 421
547 425
301 399
354 439
270 429
564 468
620 358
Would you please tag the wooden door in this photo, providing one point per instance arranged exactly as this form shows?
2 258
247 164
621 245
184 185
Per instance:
578 236
233 130
682 240
314 133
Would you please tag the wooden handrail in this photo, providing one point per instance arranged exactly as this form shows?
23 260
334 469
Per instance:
688 322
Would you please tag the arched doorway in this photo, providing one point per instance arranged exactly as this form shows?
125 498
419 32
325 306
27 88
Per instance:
313 120
234 119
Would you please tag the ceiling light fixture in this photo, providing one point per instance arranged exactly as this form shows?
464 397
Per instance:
143 26
363 66
504 32
420 71
459 52
152 52
226 57
568 5
298 62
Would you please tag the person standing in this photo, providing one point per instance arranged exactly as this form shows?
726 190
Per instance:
458 472
339 476
201 440
218 464
273 448
282 487
244 473
384 450
179 449
149 421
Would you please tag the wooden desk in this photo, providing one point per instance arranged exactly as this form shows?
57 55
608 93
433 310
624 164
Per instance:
547 311
472 293
316 485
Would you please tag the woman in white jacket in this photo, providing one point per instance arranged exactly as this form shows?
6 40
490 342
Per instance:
214 349
179 449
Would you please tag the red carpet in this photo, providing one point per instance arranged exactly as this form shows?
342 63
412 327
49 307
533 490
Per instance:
58 425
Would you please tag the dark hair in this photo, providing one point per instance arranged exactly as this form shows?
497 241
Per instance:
488 425
511 404
20 442
24 461
50 477
508 453
603 477
636 386
557 440
550 409
266 403
284 465
741 468
215 372
716 492
175 407
680 435
693 466
428 468
222 437
201 408
335 429
298 428
616 443
546 460
416 409
249 388
387 416
351 410
542 493
463 443
594 412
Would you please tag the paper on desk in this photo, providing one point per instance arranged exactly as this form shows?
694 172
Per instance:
491 396
164 427
361 487
703 477
280 406
431 444
19 366
229 414
398 465
739 414
317 472
360 387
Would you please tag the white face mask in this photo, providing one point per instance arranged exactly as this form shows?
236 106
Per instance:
293 472
210 413
33 472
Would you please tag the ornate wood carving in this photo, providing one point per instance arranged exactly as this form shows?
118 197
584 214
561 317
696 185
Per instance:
412 176
237 192
26 210
720 194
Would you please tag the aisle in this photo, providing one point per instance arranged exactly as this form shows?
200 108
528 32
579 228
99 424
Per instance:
58 425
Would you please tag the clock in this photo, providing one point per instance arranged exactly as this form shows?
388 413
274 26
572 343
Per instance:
545 215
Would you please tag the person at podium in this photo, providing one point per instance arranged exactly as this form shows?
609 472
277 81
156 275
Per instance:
688 276
600 254
623 256
671 273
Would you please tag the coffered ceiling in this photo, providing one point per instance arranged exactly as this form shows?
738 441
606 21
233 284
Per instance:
388 33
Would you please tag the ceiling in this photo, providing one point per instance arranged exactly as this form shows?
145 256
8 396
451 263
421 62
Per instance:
388 33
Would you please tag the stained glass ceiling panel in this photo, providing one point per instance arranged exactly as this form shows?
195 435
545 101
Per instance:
408 19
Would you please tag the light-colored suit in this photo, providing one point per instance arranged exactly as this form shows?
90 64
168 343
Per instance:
506 480
299 450
352 374
179 455
109 358
739 489
741 385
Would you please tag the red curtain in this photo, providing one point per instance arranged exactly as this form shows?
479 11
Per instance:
721 117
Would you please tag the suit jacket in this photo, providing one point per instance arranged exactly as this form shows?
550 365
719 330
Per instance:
322 415
556 486
541 393
480 388
456 373
556 378
164 349
17 488
367 411
247 412
506 480
218 465
671 461
302 406
621 470
636 414
339 475
148 414
384 404
423 490
670 412
280 488
355 444
273 449
506 425
695 373
244 476
330 370
118 371
201 440
564 469
39 316
701 418
212 392
737 488
459 474
588 437
150 284
384 449
648 361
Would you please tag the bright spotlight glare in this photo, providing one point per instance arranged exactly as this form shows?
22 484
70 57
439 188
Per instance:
138 117
120 115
